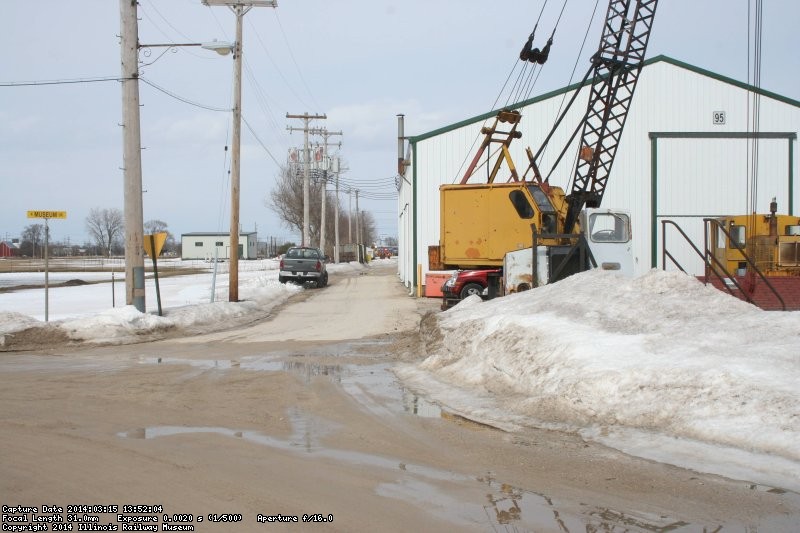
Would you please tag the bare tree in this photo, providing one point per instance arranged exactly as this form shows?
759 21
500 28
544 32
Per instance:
105 227
159 226
286 200
155 226
367 224
31 236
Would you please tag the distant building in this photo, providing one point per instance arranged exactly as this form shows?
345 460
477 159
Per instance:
9 249
207 246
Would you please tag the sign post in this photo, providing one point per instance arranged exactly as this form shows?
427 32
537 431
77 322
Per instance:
46 215
152 246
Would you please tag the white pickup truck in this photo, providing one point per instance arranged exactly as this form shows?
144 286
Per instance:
302 264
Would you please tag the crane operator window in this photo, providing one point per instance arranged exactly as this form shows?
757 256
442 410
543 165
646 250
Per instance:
521 204
609 227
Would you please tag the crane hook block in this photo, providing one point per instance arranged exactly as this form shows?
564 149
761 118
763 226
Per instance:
524 54
535 55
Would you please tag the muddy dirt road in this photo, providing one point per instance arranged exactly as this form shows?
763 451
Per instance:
299 417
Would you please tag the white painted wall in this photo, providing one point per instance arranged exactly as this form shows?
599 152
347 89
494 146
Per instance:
204 246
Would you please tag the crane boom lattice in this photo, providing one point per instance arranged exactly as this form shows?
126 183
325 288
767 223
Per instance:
616 67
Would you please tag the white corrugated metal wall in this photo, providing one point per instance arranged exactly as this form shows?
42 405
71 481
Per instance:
698 177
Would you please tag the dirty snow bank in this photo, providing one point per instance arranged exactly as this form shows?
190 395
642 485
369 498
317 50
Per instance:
660 366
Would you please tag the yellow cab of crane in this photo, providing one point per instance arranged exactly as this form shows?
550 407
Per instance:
771 241
477 226
481 222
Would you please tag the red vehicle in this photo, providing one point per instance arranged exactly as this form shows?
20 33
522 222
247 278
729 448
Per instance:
464 283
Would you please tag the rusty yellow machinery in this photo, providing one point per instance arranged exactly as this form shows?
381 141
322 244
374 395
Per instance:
481 222
770 241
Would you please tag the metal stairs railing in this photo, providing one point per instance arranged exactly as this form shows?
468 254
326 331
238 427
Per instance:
712 265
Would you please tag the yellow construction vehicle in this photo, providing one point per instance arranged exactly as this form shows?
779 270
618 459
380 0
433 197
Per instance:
481 224
770 241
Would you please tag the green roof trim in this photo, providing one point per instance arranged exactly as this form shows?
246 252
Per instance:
574 86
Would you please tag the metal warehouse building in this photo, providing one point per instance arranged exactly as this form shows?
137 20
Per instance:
684 155
208 246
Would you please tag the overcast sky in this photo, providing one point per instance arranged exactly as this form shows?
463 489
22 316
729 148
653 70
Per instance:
361 62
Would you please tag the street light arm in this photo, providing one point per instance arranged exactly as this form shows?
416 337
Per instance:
234 3
221 47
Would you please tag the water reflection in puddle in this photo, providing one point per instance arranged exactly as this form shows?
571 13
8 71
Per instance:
373 386
460 499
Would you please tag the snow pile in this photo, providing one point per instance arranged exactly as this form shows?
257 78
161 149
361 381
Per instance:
627 361
259 295
84 312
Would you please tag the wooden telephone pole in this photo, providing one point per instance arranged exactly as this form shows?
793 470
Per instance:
132 156
324 133
306 201
240 9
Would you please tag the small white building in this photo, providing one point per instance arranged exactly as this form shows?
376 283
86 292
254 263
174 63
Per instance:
685 154
208 246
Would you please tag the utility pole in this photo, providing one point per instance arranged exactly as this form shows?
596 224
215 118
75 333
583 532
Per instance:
236 141
240 9
132 156
336 214
350 217
307 157
358 222
324 133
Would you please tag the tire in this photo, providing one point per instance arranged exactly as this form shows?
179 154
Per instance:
470 289
322 281
281 279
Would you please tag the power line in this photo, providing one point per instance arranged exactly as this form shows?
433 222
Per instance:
183 99
368 185
153 6
249 127
263 102
61 82
291 55
277 69
381 181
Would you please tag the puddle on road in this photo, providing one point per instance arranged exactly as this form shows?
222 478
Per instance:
375 387
457 498
460 499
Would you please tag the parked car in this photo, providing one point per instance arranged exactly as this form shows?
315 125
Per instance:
303 264
465 283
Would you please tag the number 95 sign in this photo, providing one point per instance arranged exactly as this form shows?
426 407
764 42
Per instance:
718 118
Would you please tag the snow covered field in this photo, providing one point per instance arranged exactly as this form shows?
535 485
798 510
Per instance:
659 366
96 312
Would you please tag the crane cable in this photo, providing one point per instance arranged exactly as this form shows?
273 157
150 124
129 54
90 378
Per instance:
754 118
564 96
519 88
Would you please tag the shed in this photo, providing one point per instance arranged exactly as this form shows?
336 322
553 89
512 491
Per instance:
684 154
9 249
208 246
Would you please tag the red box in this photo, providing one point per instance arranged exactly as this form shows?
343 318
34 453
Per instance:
433 283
